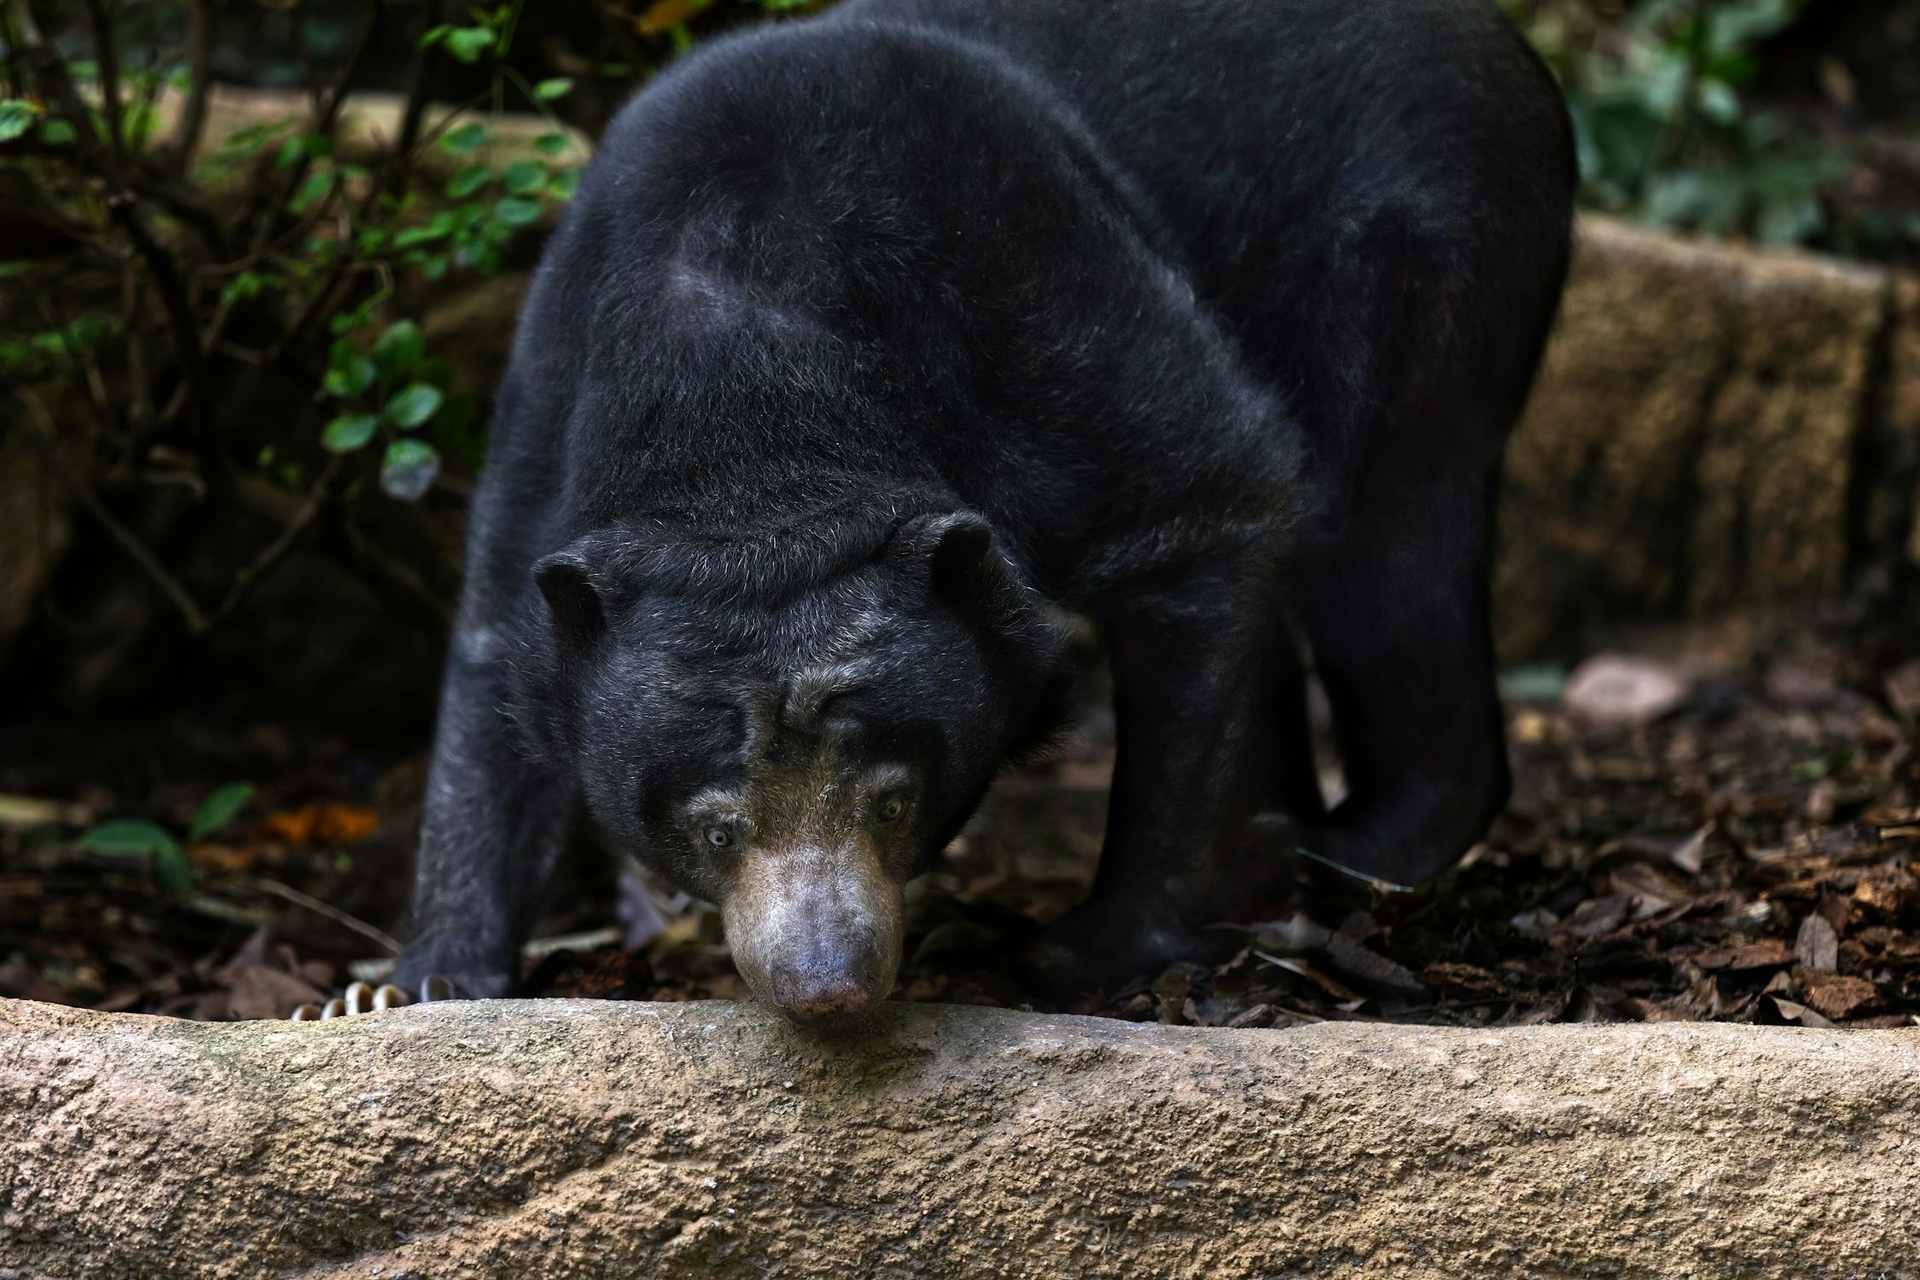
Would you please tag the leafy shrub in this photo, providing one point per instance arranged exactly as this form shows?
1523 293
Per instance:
1666 134
155 283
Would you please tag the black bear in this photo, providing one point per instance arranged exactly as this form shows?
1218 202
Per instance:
874 344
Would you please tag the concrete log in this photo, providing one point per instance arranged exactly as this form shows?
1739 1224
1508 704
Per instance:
1703 423
574 1138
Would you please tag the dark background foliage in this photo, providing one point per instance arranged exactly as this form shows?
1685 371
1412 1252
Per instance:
219 273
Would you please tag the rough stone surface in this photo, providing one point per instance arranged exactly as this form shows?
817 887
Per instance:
1693 436
1901 415
570 1138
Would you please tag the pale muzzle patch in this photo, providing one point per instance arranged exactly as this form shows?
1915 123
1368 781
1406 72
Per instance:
815 929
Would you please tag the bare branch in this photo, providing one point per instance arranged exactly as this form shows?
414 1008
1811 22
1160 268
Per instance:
107 58
171 587
332 913
56 85
173 154
416 96
275 551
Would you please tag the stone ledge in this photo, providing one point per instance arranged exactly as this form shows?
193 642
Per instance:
1714 429
564 1138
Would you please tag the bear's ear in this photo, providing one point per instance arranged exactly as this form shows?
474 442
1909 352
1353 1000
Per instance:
954 556
575 585
958 560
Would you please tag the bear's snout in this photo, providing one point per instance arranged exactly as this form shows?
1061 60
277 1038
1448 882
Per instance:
815 931
829 983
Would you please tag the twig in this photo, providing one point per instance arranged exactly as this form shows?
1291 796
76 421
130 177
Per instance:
185 208
107 58
332 913
272 553
177 150
416 97
56 85
198 621
172 289
267 196
140 401
403 583
169 585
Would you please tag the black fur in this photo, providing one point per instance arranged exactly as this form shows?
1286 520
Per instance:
893 330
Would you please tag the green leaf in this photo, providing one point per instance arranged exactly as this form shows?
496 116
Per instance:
413 406
217 810
548 90
551 144
316 184
16 117
350 378
434 35
56 133
516 212
525 177
290 150
174 870
468 43
414 236
349 431
247 284
408 470
135 837
463 138
467 181
565 183
127 837
398 350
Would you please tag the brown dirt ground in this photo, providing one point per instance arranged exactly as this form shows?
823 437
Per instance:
1749 857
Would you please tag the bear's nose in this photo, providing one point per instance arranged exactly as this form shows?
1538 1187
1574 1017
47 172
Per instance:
830 984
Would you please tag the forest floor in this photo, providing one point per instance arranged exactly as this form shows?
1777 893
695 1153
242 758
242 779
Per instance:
1687 841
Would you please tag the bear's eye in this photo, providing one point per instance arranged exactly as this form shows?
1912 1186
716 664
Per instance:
890 810
719 837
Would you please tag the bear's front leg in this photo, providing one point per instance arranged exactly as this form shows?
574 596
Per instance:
493 827
1195 674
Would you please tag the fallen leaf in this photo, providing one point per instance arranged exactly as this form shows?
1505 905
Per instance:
1799 1013
1613 689
31 811
1837 995
319 824
1462 979
1890 891
1767 953
1818 946
221 857
1370 969
1534 922
1296 933
1690 854
1313 975
1597 916
1903 690
1260 1015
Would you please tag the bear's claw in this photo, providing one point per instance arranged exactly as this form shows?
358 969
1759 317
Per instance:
363 997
